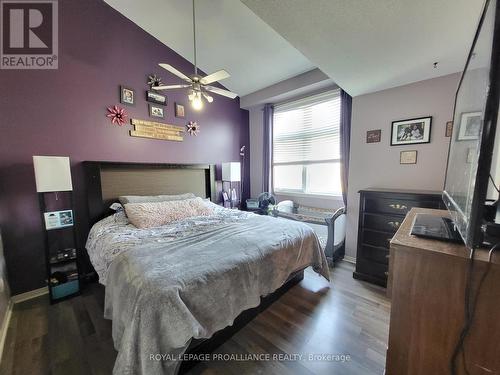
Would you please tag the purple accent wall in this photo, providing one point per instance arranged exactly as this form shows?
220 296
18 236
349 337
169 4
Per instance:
62 112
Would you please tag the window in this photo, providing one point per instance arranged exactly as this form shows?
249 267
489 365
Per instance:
306 145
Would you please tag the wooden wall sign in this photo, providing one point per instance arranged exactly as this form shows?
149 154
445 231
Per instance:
156 130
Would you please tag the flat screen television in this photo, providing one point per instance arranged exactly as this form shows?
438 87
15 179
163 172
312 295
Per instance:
473 159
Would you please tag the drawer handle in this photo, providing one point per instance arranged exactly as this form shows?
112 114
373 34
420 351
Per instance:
394 224
398 206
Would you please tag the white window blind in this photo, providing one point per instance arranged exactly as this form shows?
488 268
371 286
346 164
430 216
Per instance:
306 145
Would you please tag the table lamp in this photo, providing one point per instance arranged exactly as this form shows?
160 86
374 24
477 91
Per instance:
231 172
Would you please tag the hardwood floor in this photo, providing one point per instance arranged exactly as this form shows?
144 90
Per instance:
346 317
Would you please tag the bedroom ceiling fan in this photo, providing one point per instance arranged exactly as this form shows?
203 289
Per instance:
199 86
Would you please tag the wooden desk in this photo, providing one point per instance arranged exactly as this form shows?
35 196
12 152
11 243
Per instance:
427 284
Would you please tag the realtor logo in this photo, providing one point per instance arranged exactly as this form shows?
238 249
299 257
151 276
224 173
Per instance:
29 34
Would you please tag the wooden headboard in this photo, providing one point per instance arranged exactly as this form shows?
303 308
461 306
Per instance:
106 181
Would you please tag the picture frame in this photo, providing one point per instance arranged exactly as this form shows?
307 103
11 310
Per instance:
449 129
58 219
408 157
373 136
156 111
156 98
470 126
180 110
411 131
127 96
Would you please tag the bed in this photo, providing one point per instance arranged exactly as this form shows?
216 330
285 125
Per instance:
186 286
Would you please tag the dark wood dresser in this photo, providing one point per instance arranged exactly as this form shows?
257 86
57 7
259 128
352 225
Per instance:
381 212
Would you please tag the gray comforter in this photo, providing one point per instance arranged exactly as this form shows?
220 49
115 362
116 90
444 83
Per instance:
168 285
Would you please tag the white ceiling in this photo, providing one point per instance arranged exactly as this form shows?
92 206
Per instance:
362 45
229 36
370 45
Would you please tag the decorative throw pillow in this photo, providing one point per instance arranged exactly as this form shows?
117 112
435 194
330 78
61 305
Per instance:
124 199
155 214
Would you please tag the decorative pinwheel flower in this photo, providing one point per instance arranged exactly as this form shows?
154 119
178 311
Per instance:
117 115
193 128
154 80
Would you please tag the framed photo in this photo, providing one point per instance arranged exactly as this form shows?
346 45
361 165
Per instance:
179 110
412 131
470 125
156 111
373 136
127 95
156 98
408 157
449 129
58 219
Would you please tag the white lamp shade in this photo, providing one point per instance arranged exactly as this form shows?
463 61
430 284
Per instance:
52 173
231 172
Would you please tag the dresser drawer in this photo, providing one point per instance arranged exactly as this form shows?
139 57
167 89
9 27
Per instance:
375 254
375 270
396 206
384 223
380 239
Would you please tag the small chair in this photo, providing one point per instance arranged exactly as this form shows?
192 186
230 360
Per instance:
334 242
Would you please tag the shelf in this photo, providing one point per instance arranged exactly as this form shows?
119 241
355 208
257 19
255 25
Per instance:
65 289
63 261
60 228
61 240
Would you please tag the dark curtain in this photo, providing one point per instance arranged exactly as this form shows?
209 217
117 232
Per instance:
268 147
345 140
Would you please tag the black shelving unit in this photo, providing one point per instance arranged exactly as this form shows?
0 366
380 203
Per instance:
63 272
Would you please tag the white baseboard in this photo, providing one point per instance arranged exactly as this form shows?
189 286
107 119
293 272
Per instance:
5 327
349 259
30 295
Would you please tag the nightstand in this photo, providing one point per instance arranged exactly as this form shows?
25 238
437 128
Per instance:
55 194
61 253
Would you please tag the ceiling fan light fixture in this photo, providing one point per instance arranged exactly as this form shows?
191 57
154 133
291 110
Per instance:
198 84
208 97
197 102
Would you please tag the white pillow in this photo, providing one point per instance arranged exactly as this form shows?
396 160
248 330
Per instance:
155 214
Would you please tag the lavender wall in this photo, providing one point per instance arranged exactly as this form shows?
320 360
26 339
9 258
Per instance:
377 164
62 112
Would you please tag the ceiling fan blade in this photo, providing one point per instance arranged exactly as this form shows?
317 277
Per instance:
169 87
222 92
217 76
174 71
